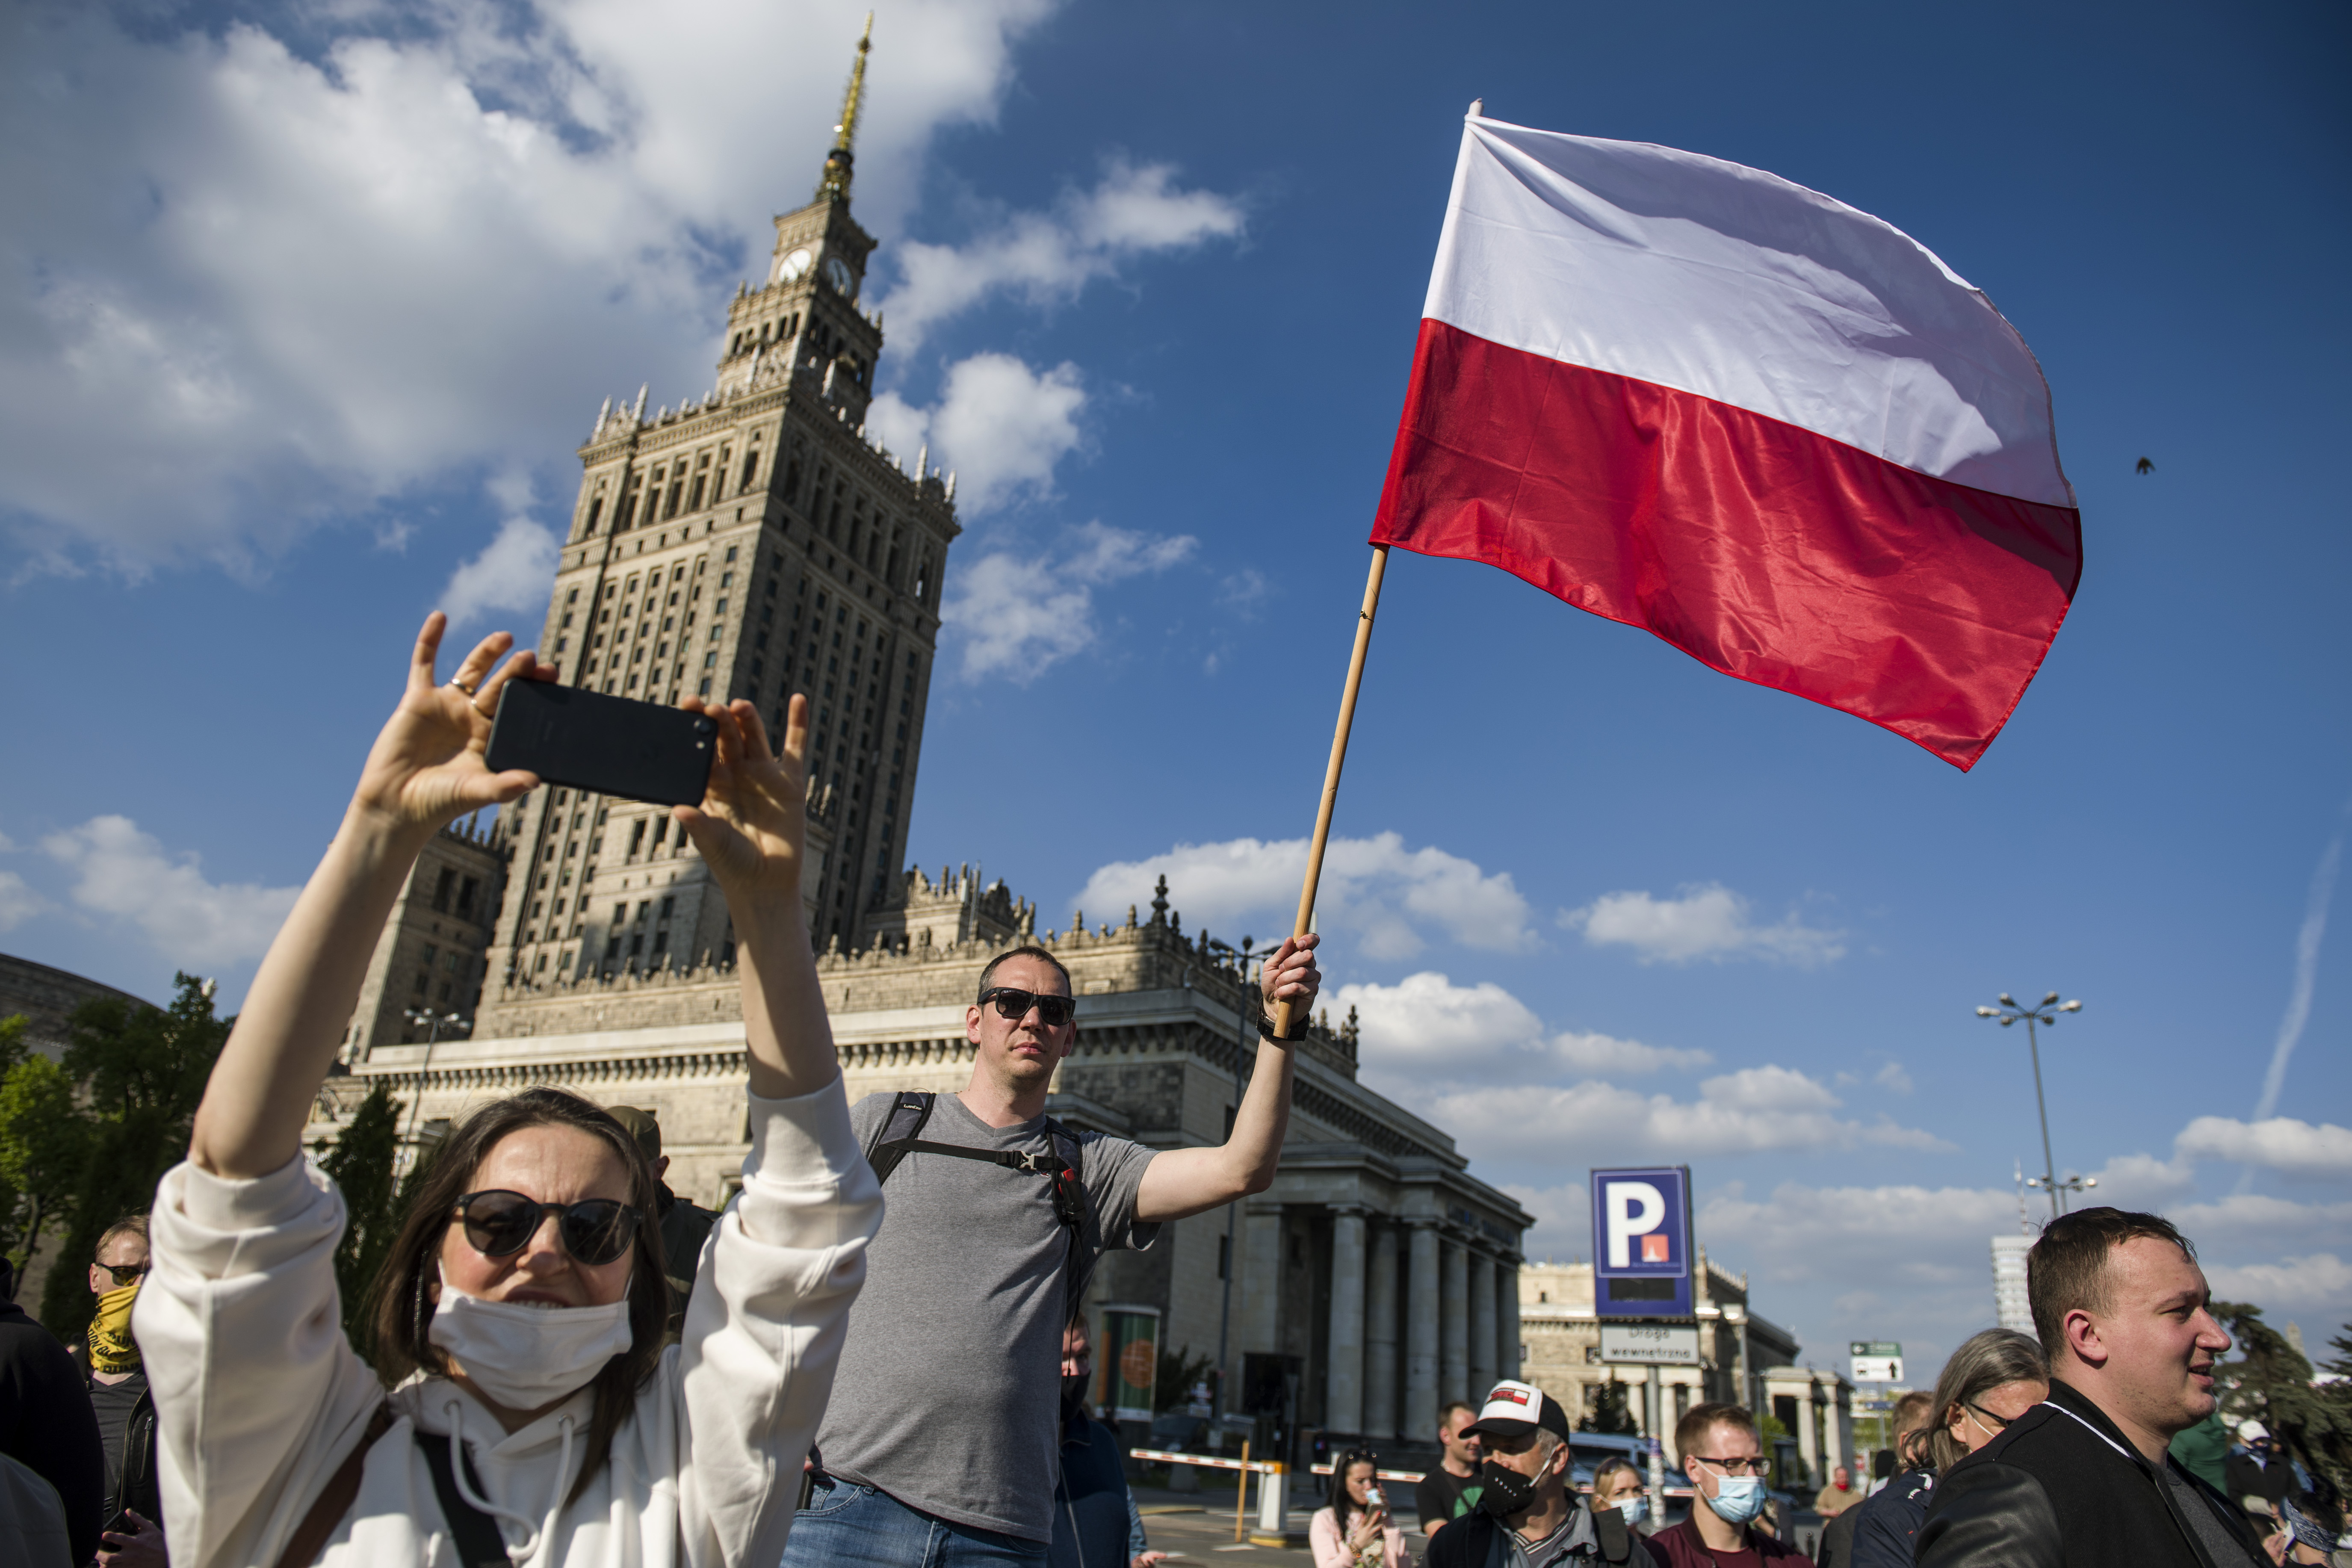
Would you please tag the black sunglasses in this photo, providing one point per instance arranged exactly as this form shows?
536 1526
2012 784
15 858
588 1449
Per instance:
124 1273
1013 1003
500 1224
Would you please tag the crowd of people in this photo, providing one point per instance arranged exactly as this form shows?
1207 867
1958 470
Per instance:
876 1354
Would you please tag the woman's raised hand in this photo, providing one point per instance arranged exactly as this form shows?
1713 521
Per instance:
752 825
429 766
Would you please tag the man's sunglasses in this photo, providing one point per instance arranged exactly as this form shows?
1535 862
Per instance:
124 1273
500 1224
1013 1003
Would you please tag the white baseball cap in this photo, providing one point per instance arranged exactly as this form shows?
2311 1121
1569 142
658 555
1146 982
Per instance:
1514 1409
2252 1431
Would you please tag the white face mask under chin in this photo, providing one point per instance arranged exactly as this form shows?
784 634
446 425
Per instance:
524 1356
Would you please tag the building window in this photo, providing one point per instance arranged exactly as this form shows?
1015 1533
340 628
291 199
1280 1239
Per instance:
441 890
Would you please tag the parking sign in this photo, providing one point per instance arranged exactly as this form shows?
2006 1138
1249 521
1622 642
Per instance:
1642 1242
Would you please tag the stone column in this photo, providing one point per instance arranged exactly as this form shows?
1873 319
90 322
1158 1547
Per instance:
1343 1389
1259 1295
1420 1420
1507 1312
1381 1336
1482 1326
1454 1323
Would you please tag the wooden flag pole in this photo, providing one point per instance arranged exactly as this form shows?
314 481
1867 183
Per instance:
1284 1010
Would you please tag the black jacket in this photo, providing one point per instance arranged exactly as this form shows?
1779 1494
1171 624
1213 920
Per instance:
2248 1476
1090 1527
2061 1489
1478 1539
1886 1525
47 1424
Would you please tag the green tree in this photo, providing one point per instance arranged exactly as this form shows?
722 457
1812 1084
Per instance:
139 1072
1606 1411
41 1154
44 1140
2271 1381
361 1162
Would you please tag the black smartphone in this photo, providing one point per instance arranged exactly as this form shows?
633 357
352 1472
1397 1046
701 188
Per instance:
584 740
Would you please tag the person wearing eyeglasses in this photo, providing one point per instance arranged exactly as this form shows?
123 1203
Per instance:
522 1406
1992 1379
997 1214
1725 1460
2085 1479
122 1403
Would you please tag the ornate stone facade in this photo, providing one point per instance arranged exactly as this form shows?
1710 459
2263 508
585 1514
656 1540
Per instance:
755 544
1737 1345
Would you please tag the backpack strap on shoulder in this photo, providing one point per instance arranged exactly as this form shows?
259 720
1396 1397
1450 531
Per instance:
333 1501
895 1138
1615 1540
474 1534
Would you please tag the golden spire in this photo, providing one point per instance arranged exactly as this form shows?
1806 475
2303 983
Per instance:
835 181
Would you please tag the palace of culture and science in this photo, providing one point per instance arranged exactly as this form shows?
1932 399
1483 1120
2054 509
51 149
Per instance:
756 543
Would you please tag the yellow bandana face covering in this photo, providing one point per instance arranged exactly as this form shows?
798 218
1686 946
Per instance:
111 1348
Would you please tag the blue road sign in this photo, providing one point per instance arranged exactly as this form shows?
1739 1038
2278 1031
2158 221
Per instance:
1642 1242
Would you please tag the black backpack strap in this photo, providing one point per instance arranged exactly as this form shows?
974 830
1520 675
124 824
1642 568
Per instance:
1071 1208
1608 1530
894 1139
474 1533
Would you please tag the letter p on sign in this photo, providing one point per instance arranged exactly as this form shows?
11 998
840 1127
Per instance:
1634 1208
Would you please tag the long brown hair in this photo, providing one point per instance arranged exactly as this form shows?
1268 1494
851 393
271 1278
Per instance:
1982 1363
401 1305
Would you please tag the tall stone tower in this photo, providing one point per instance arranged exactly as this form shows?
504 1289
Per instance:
751 544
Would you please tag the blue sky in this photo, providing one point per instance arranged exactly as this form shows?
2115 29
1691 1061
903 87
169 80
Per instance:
305 307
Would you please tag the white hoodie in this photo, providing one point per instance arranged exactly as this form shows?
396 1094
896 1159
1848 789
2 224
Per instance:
259 1397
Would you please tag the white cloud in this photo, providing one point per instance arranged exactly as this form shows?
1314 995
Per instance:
126 874
245 290
2143 1180
1898 1234
1384 893
2283 1144
18 903
1892 1077
1443 1032
510 573
2239 1223
2318 1281
1563 1227
1017 616
999 426
1756 1110
1708 921
1047 257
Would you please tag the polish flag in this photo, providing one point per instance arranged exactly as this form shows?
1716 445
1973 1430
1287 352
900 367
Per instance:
1777 432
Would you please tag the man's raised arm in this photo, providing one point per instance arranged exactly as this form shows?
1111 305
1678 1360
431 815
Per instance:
1180 1181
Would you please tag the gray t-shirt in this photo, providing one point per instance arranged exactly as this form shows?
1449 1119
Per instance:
949 1389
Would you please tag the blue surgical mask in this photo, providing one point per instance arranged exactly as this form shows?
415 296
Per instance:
1635 1509
1737 1498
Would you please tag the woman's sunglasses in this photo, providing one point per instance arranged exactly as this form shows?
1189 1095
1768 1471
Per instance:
1012 1002
499 1224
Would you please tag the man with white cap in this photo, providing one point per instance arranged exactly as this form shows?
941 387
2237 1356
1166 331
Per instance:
1528 1516
2260 1477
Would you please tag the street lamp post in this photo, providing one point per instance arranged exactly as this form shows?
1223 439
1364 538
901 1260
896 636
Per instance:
433 1023
2044 1013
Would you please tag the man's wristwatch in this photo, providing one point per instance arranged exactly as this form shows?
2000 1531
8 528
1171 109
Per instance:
1265 1029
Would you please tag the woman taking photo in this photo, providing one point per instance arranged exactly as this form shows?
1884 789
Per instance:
524 1407
1992 1379
1354 1530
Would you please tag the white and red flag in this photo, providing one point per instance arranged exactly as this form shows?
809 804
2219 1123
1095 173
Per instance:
1775 431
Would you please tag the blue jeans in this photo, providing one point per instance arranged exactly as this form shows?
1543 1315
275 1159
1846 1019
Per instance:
845 1523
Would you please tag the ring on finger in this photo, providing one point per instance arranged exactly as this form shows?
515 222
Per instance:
461 685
